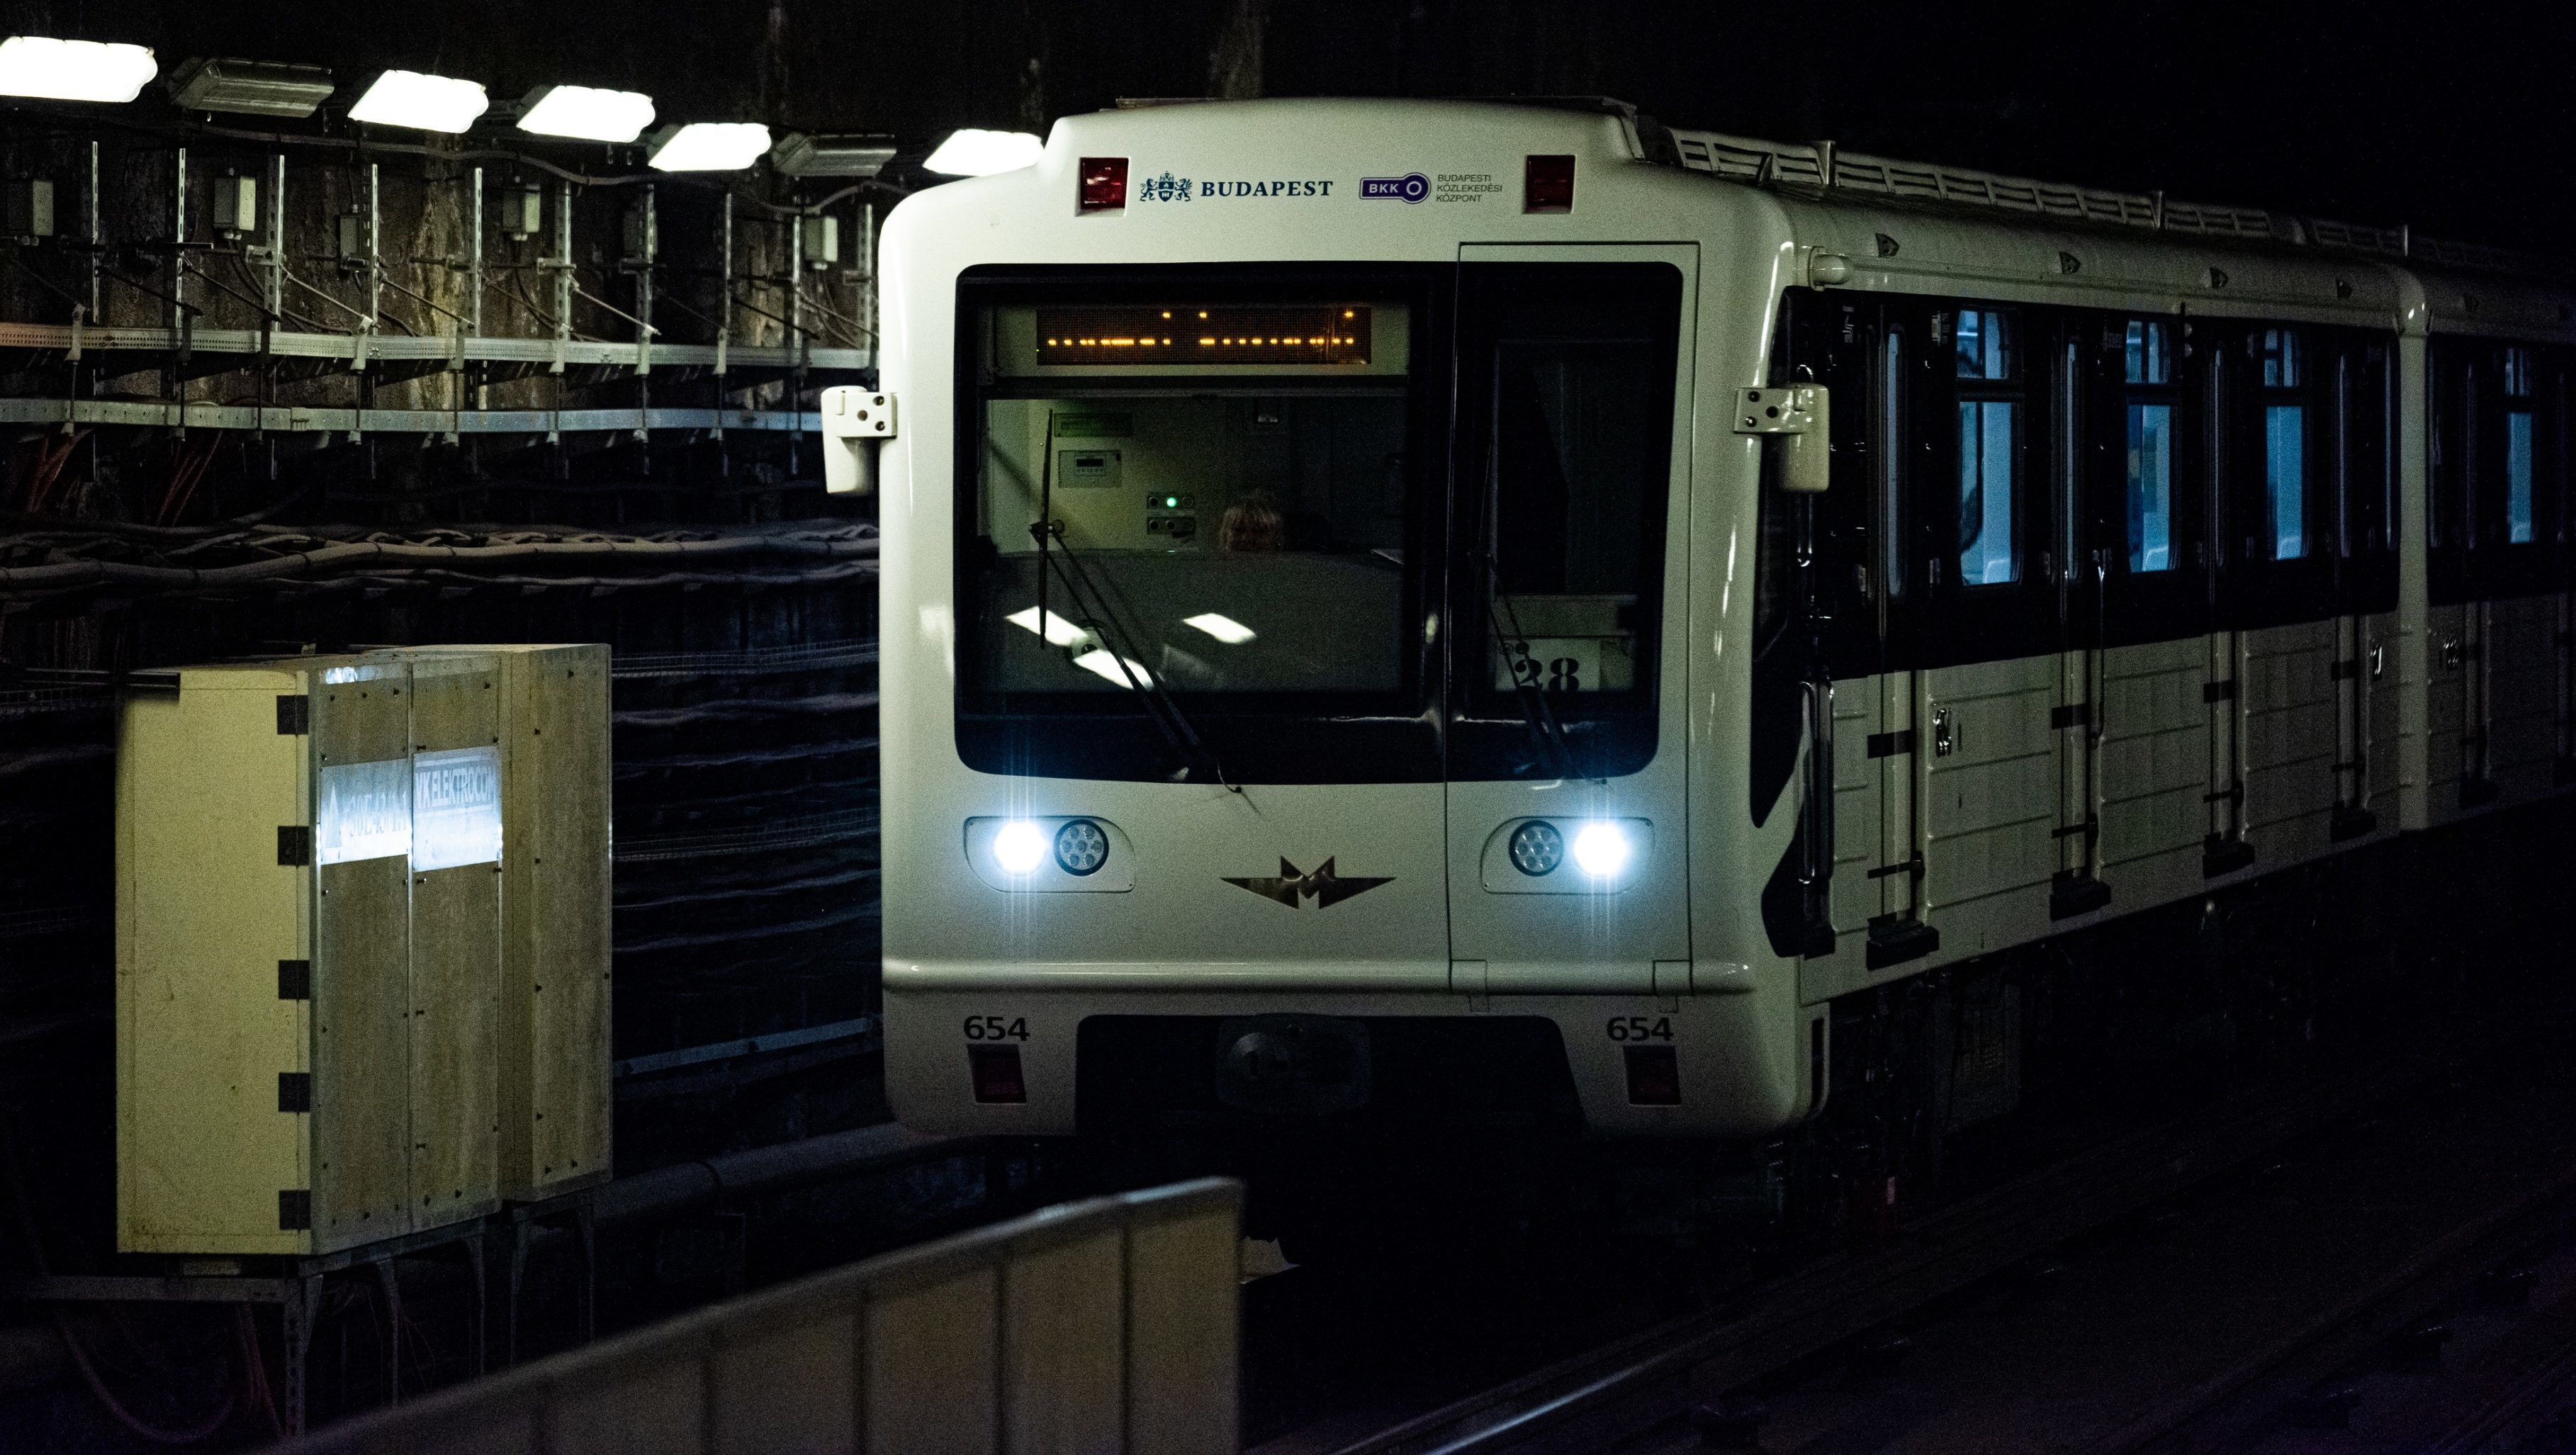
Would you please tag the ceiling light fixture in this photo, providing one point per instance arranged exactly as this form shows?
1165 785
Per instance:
73 70
586 113
422 102
973 153
708 146
252 88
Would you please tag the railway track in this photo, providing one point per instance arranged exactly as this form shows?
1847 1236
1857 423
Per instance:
1820 1351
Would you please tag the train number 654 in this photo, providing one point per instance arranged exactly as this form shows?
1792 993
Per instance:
1641 1028
997 1028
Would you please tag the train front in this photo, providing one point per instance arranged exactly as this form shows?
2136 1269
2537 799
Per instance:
1286 640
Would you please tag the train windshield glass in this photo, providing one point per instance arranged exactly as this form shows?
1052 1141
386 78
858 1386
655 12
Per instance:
1196 493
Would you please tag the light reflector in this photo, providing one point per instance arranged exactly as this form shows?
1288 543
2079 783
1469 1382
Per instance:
422 102
73 70
970 152
708 146
586 112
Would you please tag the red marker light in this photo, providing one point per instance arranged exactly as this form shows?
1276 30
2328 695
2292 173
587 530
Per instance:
1104 184
1547 185
1654 1076
996 1071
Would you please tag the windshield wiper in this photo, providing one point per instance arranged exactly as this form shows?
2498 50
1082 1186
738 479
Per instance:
1537 713
1161 707
1140 675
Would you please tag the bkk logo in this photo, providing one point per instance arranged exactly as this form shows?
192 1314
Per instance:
1411 187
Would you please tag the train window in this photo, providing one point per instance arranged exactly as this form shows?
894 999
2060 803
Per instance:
1224 534
2519 525
2149 375
2285 433
1566 418
1990 423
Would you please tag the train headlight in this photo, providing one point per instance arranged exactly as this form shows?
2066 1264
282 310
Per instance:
1537 848
1602 850
1019 847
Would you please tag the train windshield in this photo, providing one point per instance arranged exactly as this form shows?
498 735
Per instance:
1201 492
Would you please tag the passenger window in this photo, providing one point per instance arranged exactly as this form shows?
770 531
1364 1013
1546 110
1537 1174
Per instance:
1989 446
2518 522
2285 435
2151 445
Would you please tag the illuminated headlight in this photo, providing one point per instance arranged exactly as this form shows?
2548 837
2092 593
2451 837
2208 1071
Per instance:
1602 850
1020 847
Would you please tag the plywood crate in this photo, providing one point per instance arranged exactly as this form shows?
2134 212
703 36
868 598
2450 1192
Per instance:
308 953
555 987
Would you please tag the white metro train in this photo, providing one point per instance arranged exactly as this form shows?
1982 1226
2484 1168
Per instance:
1413 615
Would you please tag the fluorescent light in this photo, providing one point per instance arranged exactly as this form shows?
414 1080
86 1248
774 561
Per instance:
1109 664
73 70
1224 628
708 146
586 112
973 153
252 88
421 102
1059 632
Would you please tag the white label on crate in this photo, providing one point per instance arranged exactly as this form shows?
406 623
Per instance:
365 812
456 808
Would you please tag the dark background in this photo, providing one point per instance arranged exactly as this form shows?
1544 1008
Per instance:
2453 118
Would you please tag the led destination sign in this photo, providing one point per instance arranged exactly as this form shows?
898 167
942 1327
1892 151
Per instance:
1189 335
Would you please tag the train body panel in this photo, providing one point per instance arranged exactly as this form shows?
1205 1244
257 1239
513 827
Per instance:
1527 711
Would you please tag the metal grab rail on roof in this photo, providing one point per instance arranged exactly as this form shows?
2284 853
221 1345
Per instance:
1822 167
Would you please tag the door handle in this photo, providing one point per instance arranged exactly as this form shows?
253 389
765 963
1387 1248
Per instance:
1945 733
2378 661
2452 656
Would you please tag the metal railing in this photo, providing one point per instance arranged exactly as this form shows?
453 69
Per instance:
1108 1324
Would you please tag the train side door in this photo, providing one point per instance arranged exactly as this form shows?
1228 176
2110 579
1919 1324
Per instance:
1869 353
2150 615
2084 403
2365 682
1568 598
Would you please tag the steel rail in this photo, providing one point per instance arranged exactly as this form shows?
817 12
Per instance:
2233 1406
1644 1378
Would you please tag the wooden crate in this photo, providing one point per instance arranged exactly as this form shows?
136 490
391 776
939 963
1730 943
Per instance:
305 1014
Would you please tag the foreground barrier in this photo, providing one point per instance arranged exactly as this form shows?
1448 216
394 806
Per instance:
1103 1325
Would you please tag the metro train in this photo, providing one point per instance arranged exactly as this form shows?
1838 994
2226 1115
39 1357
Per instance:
1408 621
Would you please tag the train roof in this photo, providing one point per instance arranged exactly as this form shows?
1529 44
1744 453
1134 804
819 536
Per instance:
1905 222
